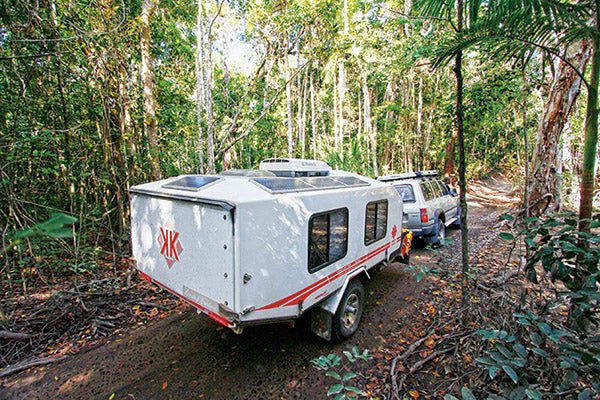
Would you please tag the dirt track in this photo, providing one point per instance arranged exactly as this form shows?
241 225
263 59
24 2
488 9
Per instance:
189 356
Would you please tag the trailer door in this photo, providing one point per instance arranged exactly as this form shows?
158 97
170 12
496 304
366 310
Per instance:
186 247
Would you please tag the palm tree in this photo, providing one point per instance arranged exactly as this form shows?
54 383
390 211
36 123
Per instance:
512 27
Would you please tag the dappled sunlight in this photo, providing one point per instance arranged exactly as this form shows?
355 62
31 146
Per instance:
31 378
80 379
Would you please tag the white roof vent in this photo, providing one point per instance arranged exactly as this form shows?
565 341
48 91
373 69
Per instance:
294 167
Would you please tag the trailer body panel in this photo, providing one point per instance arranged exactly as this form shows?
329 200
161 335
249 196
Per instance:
186 247
273 248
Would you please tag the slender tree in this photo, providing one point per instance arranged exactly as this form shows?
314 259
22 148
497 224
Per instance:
147 73
200 58
590 146
441 9
462 167
206 67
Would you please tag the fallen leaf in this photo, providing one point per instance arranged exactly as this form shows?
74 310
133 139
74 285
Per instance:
430 343
414 394
165 385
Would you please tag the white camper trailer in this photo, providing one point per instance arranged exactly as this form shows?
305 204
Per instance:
248 249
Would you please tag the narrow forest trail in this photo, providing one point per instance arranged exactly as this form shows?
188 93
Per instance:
186 356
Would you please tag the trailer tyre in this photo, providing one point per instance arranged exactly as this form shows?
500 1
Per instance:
347 317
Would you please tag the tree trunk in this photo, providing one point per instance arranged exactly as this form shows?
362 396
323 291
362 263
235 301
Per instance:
388 96
341 93
313 122
359 131
545 166
525 144
206 53
66 167
342 87
372 126
200 85
335 112
407 10
366 108
419 121
126 127
388 155
147 74
590 144
449 167
304 104
462 167
288 99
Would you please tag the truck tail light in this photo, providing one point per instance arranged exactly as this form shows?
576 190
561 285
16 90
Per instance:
424 216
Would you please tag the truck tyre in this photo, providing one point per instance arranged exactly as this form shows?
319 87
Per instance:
349 312
440 234
456 224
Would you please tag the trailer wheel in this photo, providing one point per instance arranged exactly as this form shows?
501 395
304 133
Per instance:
349 312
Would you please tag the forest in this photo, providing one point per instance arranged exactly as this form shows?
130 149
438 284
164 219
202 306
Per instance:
98 96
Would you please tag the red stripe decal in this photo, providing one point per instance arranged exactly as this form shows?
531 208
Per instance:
304 293
145 276
214 316
221 320
338 274
322 294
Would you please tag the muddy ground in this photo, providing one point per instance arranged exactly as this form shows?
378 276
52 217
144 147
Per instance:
187 356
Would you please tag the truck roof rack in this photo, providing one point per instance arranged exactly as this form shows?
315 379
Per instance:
428 174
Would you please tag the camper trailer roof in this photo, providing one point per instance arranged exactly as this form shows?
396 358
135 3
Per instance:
230 191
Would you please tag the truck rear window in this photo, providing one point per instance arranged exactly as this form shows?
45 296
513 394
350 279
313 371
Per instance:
406 192
327 238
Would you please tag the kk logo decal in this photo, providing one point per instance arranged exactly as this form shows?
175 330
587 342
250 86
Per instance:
170 246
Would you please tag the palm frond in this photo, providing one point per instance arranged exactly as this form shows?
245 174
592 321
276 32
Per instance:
509 28
438 9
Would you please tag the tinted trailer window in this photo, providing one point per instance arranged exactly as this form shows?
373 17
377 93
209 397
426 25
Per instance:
328 238
376 221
